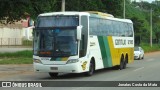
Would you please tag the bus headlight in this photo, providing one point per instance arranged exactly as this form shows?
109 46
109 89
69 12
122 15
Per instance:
37 61
72 61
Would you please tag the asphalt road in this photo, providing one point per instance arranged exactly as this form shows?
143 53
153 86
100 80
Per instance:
140 70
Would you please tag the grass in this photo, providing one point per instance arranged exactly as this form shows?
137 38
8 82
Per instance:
148 48
25 53
21 57
27 43
18 60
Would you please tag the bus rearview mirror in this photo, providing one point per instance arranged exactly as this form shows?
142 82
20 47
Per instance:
79 31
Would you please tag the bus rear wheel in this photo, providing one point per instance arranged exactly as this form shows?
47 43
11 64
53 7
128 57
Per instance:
125 62
53 75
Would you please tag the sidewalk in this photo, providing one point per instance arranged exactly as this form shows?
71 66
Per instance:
15 69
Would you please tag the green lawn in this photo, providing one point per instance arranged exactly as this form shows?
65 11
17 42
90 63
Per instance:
17 60
21 57
148 48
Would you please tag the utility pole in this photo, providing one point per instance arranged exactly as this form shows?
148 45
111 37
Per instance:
151 27
124 8
63 6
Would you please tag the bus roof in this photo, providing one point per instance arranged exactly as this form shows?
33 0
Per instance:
101 13
89 13
118 19
64 13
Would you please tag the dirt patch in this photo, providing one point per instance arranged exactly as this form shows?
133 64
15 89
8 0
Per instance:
152 53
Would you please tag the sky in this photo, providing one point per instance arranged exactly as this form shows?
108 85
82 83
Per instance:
146 0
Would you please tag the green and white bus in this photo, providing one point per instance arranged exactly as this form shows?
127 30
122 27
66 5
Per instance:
81 42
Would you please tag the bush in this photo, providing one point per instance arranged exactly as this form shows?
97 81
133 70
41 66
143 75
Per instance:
148 48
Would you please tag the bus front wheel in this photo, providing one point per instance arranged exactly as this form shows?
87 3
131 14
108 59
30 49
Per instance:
91 69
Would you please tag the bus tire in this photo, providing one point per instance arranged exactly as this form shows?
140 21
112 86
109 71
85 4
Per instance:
91 69
125 64
116 67
121 63
53 75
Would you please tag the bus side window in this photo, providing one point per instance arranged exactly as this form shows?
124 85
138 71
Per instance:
84 41
82 47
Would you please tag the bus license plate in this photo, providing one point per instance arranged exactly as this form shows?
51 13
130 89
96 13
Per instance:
45 59
54 68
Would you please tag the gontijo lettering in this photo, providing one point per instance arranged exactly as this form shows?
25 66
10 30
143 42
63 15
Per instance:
120 42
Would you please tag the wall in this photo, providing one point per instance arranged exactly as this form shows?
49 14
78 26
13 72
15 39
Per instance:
10 36
13 34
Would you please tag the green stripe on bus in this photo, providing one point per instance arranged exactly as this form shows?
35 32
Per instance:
105 51
106 44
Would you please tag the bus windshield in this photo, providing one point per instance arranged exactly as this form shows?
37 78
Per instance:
57 21
55 42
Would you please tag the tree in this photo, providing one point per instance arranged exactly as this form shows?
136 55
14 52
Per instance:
14 10
84 5
156 29
114 7
138 29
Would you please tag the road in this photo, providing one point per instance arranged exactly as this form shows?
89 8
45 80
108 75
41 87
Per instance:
140 70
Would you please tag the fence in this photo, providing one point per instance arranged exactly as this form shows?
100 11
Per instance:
15 42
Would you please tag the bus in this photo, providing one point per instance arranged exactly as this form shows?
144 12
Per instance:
81 42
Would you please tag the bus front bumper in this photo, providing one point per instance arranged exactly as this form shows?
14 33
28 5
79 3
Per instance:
66 68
